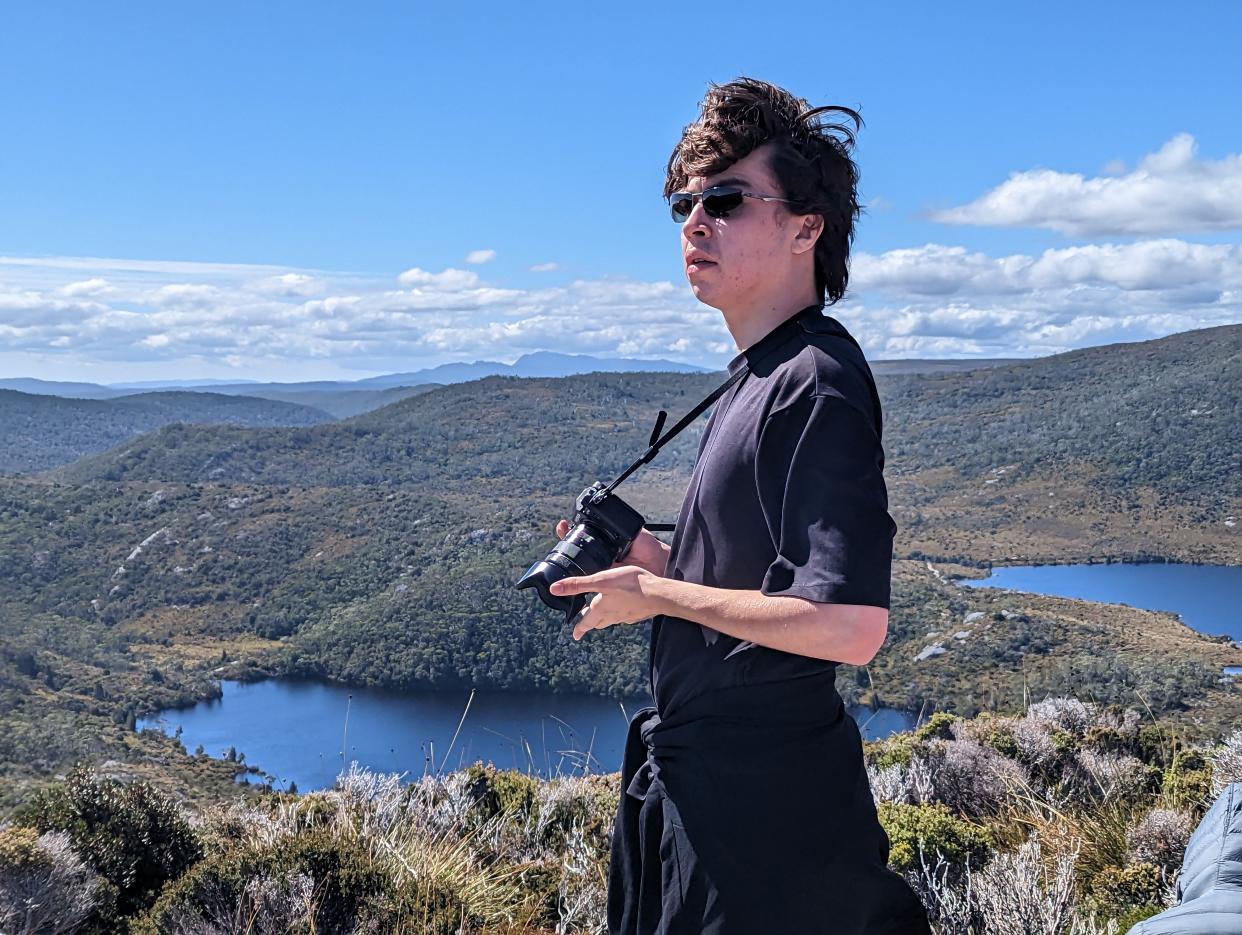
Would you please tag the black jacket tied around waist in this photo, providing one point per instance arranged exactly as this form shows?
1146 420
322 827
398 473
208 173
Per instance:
748 811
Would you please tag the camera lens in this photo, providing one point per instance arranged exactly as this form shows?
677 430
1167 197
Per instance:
584 551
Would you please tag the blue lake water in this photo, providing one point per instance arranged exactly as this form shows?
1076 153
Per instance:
1208 598
307 732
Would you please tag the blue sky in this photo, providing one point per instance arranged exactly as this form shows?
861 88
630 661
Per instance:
249 182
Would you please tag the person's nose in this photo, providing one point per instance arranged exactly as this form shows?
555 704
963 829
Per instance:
697 224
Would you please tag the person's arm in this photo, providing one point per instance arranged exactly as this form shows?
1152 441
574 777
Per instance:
819 468
848 633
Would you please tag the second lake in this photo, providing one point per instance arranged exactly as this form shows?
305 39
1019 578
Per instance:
308 732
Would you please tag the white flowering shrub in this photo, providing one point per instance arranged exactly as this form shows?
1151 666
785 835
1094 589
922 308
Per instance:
45 886
1069 714
1227 763
973 779
1160 838
1105 775
1035 746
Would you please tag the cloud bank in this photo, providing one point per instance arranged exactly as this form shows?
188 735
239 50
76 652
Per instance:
76 318
1171 191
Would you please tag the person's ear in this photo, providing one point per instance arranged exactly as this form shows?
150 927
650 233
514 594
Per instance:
808 233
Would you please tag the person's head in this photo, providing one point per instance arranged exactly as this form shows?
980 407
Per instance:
762 139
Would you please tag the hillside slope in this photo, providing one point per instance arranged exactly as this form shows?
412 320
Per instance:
39 432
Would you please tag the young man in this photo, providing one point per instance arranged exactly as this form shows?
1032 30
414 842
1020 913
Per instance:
745 806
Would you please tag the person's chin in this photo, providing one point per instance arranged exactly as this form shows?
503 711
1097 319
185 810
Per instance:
705 294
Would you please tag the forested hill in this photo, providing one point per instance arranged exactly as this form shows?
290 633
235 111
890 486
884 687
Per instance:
38 432
383 549
1162 414
1165 413
521 434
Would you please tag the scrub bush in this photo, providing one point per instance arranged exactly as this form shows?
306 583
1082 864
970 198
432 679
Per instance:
1226 762
972 779
496 792
1160 838
584 806
938 727
132 834
311 882
1187 781
1139 886
1108 775
896 749
44 886
1067 714
937 831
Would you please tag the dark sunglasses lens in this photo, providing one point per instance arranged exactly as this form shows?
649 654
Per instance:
718 204
681 206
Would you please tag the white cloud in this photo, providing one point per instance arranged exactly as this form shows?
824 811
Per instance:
940 301
476 257
1170 191
932 300
448 280
545 267
94 286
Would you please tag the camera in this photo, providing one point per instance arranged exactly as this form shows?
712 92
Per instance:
602 529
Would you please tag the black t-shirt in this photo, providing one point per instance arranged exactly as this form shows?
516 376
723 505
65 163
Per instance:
787 497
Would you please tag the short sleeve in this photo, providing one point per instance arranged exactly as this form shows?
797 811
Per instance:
820 472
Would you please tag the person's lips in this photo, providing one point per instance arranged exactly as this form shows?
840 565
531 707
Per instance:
698 260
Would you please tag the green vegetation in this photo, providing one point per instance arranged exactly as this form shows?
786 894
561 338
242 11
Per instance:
39 432
1075 831
381 550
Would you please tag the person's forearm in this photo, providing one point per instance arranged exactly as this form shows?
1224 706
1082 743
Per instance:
847 633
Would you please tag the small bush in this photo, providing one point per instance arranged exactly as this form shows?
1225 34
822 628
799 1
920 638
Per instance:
1065 743
1066 714
1187 782
44 885
894 750
1036 750
938 727
1108 740
1160 838
972 779
1153 744
1109 775
1226 763
311 882
133 835
586 803
496 792
939 831
1121 889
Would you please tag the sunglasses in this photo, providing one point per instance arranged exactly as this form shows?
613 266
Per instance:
719 201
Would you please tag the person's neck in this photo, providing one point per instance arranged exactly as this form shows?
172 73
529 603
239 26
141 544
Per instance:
748 323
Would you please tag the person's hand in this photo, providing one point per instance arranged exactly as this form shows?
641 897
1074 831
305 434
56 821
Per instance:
622 595
646 551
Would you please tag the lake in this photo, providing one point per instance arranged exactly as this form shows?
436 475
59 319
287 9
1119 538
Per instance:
296 730
1208 598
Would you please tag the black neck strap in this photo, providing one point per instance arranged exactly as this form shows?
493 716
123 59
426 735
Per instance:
657 441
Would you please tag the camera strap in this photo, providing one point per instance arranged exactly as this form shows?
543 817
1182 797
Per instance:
657 441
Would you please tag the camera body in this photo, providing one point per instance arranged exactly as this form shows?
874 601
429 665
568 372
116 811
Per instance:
602 528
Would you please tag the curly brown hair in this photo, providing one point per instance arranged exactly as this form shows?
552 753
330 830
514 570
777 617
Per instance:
809 156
